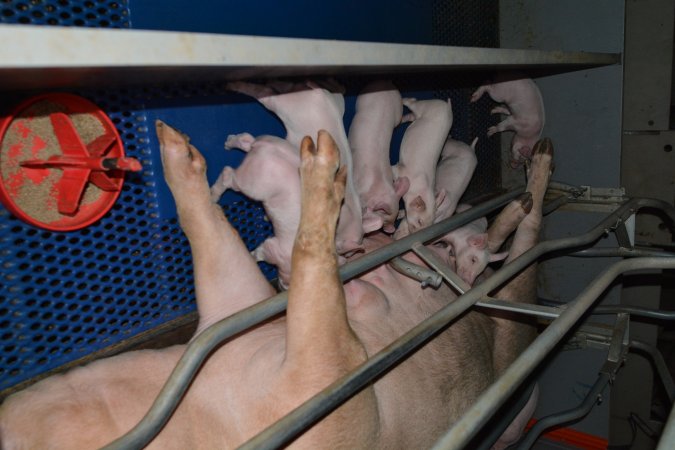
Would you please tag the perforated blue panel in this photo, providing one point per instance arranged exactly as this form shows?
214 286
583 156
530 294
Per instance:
99 13
66 295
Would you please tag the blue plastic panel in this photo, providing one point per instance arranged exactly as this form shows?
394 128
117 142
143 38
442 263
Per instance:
373 20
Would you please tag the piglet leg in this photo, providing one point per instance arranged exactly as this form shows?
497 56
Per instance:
505 125
320 344
213 241
500 109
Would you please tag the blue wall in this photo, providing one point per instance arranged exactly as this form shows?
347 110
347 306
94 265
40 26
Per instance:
376 20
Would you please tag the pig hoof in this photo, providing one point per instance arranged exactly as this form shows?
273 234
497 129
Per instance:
544 147
185 173
525 200
318 171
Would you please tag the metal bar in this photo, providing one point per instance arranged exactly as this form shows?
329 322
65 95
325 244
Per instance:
548 312
198 350
619 344
439 266
574 190
621 252
571 415
321 404
659 363
425 276
635 311
464 429
163 56
202 345
554 204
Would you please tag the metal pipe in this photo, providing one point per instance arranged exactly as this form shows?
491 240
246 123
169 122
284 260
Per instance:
576 191
425 276
439 265
636 311
198 350
659 363
621 252
571 415
202 345
554 204
465 428
330 398
529 309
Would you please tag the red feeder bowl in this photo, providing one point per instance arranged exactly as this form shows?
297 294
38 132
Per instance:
62 162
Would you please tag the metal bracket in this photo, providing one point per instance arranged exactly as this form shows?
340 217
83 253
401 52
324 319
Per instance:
596 199
625 232
614 338
618 347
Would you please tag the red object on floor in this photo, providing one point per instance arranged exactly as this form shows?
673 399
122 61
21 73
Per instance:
572 437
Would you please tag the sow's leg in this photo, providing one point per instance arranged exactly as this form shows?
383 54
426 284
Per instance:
513 333
227 279
321 346
523 287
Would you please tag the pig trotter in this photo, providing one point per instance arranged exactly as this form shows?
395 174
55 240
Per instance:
319 336
525 200
544 146
508 220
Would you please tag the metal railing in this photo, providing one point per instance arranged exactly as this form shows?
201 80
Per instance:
290 426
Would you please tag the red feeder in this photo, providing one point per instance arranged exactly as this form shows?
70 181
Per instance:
62 162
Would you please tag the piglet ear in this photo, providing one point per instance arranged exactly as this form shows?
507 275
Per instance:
478 240
371 222
498 256
418 204
401 186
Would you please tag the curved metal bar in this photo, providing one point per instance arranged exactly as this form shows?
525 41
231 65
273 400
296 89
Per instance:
330 398
464 429
568 416
659 363
202 345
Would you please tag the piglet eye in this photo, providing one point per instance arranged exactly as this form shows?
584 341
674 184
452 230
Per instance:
440 244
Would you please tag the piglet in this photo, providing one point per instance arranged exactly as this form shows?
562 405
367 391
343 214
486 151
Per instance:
453 174
522 103
269 174
379 110
469 246
304 109
421 147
